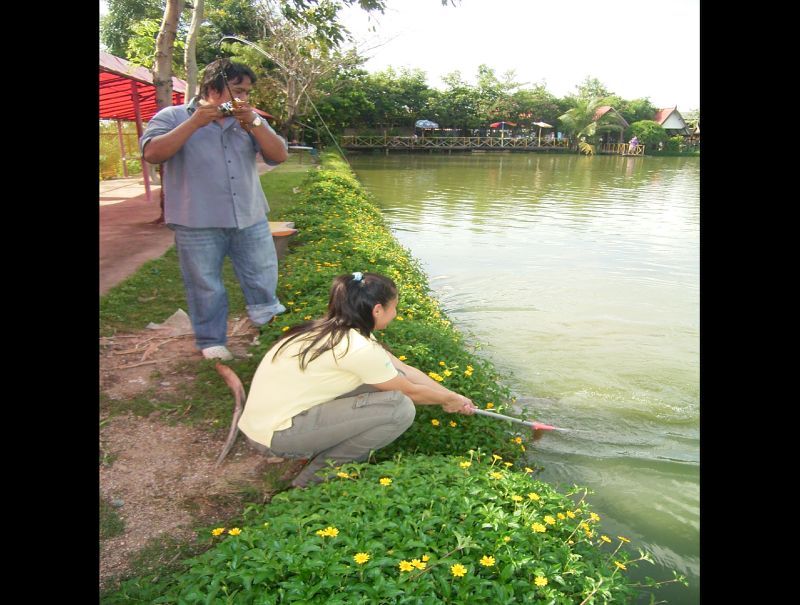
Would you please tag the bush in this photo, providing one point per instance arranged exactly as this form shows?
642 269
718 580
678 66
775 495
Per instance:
650 133
414 530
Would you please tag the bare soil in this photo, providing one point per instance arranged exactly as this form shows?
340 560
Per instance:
160 475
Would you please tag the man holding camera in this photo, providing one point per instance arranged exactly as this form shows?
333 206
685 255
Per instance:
214 201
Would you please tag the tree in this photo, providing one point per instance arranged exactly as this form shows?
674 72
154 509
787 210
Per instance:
579 121
116 27
636 110
648 132
190 54
165 44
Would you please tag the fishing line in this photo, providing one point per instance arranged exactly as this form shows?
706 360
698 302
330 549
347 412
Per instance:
288 71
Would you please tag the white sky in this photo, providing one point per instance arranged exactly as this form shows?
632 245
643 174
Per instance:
637 48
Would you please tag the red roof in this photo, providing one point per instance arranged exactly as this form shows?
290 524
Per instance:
117 79
116 100
662 114
600 112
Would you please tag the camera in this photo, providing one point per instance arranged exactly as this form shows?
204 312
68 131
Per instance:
226 109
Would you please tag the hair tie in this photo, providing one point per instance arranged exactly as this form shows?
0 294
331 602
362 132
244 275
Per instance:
357 276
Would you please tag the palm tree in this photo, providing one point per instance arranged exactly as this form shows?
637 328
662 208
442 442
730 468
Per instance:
579 121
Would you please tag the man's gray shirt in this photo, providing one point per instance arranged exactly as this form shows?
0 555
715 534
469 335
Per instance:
212 181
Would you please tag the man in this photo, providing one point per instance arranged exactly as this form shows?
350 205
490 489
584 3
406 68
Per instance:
214 202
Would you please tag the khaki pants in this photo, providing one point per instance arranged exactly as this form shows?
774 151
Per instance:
345 429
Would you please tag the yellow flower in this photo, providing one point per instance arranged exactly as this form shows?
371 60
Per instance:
533 496
623 538
307 317
496 457
406 566
426 558
605 539
453 424
528 469
398 318
435 376
496 475
468 373
470 368
489 405
402 358
458 570
217 531
418 564
361 558
522 447
516 498
447 373
570 514
508 464
538 528
549 520
561 516
343 475
284 328
507 539
386 481
465 464
594 516
330 532
289 302
441 363
540 581
583 525
435 422
487 561
517 439
620 565
235 531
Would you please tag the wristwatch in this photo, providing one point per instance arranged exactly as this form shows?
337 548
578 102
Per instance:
257 122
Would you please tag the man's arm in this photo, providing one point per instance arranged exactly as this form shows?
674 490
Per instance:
162 147
273 147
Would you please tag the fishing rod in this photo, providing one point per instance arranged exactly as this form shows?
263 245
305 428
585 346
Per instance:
288 71
536 426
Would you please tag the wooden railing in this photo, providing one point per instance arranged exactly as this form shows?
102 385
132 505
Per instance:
393 142
622 149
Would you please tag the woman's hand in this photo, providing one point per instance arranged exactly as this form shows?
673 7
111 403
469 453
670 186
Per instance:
458 404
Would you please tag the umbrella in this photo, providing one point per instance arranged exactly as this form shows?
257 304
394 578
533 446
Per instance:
541 125
501 125
426 124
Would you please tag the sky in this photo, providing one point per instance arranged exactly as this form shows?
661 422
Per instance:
636 48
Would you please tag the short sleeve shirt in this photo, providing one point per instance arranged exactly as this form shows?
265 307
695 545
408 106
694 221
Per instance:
281 390
212 181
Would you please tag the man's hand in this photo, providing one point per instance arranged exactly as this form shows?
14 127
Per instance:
245 114
458 404
205 114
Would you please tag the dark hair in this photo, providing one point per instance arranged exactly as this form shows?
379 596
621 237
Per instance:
350 305
214 80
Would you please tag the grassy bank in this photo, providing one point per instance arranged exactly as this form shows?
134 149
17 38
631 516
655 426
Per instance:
447 514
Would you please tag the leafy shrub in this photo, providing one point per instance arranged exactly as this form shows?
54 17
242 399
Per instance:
416 529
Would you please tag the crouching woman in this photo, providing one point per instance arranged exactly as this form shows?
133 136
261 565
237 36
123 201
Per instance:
327 390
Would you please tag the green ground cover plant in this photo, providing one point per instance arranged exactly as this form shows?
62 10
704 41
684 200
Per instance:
416 529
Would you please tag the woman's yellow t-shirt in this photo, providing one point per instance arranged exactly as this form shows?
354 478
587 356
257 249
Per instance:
281 390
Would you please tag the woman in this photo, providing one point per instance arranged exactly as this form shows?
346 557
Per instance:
329 390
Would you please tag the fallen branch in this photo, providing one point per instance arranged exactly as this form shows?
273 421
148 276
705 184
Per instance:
136 365
239 396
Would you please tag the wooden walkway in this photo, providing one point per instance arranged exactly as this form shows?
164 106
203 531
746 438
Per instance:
387 143
358 143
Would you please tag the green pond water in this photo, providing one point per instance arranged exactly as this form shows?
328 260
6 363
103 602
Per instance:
581 278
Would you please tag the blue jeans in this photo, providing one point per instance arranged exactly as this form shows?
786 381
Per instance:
201 253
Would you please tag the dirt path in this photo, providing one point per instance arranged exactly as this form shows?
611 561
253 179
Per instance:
160 476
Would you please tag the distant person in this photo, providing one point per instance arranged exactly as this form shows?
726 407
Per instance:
328 390
214 201
633 145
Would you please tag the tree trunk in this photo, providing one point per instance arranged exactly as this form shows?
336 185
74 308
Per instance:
165 47
189 55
